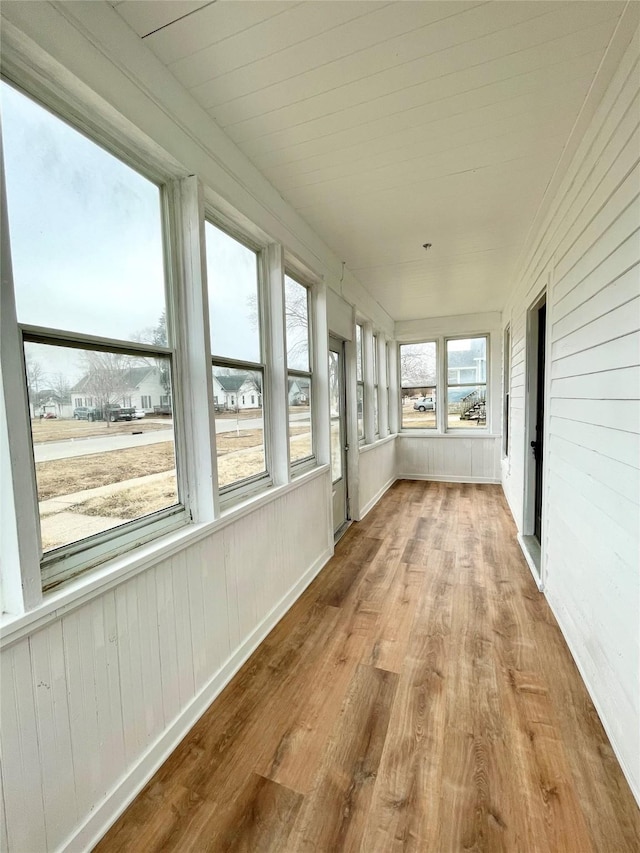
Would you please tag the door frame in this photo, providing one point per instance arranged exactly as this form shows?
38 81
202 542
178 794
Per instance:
335 341
534 551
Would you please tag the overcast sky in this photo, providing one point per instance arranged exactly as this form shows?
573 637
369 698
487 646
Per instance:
86 242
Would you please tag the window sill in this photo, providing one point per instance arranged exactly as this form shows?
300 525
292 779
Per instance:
377 443
77 592
427 433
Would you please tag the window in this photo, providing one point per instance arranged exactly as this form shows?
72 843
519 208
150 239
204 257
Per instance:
360 382
376 398
466 382
86 237
418 381
145 402
299 375
237 360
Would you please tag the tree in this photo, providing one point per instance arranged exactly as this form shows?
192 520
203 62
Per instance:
157 335
418 365
60 390
36 378
107 378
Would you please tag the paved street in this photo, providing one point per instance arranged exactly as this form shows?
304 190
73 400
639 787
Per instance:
47 451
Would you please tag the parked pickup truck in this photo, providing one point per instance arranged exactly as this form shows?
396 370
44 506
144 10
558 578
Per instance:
109 413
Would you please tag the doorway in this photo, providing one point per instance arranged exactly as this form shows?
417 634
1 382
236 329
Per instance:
537 444
533 520
338 408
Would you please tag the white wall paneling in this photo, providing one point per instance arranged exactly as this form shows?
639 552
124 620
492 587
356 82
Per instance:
377 472
456 459
94 701
588 244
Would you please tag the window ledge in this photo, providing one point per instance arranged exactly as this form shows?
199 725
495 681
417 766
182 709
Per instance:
424 433
377 443
77 592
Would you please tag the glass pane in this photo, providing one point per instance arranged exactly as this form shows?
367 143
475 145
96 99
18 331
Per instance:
376 428
467 407
300 430
237 397
335 395
359 361
86 230
375 359
360 404
124 466
232 281
296 304
467 361
418 377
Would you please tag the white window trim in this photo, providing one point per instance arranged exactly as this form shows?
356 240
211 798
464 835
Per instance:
234 492
310 461
441 429
65 562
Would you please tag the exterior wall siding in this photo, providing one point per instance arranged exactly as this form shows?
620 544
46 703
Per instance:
587 254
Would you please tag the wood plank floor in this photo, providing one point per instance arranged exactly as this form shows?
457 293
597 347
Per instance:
418 697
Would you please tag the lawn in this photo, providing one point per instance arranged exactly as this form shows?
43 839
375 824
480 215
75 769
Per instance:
60 430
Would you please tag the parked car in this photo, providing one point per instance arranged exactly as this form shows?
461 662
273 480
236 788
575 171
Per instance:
109 413
138 414
424 404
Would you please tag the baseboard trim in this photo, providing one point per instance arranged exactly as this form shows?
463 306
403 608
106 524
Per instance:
446 478
120 797
525 546
374 500
585 680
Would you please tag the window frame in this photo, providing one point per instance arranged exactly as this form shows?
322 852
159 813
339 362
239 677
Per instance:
360 383
445 375
436 428
59 565
441 389
299 466
376 390
256 483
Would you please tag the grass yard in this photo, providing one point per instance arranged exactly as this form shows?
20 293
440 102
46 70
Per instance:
60 430
66 476
135 501
240 455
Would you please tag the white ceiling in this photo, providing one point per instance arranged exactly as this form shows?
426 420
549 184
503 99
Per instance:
388 125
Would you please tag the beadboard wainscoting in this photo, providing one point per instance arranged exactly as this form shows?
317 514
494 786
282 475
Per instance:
455 459
95 699
586 255
377 472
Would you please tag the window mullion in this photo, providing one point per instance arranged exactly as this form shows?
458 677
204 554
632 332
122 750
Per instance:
276 356
20 540
193 346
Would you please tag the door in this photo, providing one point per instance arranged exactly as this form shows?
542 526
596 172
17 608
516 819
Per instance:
338 435
538 443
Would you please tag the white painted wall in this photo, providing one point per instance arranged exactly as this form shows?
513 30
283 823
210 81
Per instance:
457 459
377 472
588 251
95 698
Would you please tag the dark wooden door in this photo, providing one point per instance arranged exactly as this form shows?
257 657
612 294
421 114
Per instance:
538 448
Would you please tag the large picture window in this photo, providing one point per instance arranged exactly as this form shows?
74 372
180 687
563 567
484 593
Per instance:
299 373
466 382
237 360
418 382
86 235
